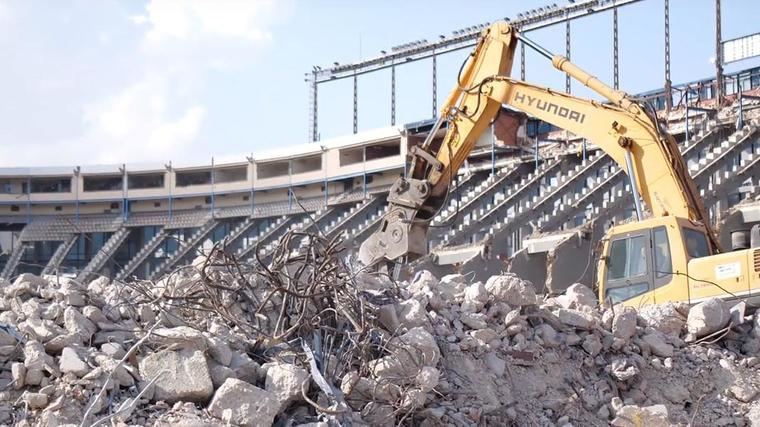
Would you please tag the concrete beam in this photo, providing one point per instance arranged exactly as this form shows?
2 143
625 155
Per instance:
545 243
751 212
740 217
449 256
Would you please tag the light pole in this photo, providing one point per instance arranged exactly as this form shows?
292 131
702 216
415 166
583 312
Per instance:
77 172
324 168
124 201
169 171
252 161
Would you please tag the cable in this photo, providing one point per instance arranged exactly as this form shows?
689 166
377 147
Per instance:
446 199
459 77
678 273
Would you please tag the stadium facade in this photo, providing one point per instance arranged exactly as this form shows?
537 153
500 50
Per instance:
524 180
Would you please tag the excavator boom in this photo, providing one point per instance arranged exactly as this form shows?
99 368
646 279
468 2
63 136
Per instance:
623 128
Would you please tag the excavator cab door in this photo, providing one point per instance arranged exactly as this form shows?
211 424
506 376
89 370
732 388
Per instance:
629 266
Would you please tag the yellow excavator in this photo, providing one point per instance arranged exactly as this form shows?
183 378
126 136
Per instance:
671 255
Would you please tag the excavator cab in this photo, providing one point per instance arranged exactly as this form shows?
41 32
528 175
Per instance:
648 261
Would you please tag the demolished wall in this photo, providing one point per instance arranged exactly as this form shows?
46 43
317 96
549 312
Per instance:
573 260
531 267
735 219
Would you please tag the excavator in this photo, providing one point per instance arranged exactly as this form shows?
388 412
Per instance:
671 255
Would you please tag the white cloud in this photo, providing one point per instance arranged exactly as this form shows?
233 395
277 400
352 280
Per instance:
190 19
138 19
151 75
160 116
138 123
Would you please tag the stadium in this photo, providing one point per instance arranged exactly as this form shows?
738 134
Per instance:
122 221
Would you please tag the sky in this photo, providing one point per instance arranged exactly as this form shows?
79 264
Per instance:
111 82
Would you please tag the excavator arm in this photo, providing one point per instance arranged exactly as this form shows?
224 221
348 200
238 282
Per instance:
623 128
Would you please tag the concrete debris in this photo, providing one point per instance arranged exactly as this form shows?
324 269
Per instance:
427 352
624 323
286 382
743 392
412 314
423 281
475 298
35 400
634 416
575 318
219 350
179 337
239 403
220 374
512 290
577 296
708 317
113 349
76 323
18 374
177 375
592 344
656 342
70 362
665 318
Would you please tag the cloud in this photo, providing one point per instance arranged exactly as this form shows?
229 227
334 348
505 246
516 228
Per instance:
139 19
119 84
191 19
162 113
139 123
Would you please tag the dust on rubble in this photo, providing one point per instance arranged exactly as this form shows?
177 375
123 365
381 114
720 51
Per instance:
306 339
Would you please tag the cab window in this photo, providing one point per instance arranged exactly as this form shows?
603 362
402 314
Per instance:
663 265
622 293
628 258
696 243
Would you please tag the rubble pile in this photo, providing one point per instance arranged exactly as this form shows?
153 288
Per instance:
307 340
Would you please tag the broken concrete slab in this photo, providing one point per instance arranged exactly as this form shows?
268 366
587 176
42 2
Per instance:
635 416
285 382
57 344
743 391
35 356
240 403
70 362
708 317
411 314
577 296
475 297
113 349
510 289
665 318
181 375
35 400
575 318
219 350
76 323
657 344
18 375
624 323
219 374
